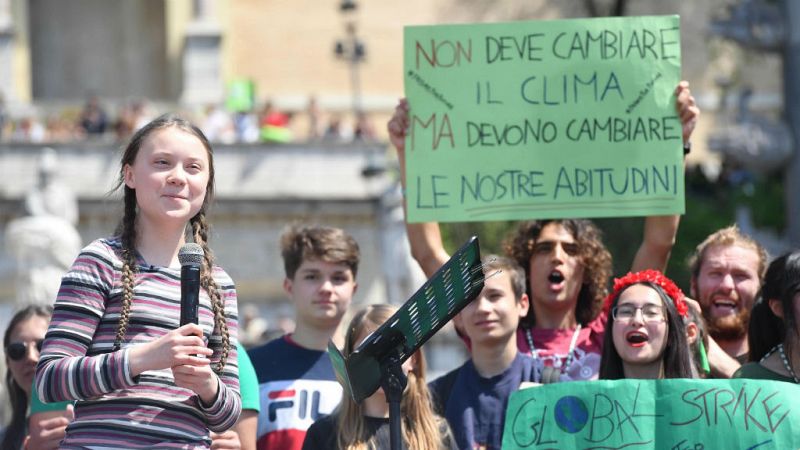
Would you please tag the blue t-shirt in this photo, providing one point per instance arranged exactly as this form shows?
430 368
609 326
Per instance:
475 407
296 387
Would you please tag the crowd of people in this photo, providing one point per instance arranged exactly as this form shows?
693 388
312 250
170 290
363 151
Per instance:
220 125
109 366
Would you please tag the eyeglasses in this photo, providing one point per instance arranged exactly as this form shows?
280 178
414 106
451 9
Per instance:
18 350
650 312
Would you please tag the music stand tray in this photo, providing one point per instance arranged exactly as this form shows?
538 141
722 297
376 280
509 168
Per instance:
446 293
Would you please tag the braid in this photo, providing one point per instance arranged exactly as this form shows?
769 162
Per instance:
127 234
200 232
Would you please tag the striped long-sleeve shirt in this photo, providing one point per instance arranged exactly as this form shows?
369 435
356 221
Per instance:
115 409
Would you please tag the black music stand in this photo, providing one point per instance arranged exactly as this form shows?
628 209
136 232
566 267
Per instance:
377 361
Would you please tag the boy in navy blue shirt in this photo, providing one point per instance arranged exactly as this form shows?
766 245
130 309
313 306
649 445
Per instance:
297 384
474 397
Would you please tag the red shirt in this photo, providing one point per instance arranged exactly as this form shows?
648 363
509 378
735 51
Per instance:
552 348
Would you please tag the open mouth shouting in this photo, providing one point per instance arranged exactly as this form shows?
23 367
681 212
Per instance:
723 307
556 279
636 338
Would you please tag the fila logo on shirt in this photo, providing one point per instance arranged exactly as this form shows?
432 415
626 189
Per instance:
307 403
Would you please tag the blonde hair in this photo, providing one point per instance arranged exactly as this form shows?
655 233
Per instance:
727 237
421 427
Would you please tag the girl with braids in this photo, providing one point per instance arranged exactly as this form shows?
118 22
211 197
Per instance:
114 343
365 426
646 336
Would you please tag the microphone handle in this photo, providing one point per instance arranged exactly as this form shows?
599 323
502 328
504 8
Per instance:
190 294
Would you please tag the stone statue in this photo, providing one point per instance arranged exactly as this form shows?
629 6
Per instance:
45 242
50 197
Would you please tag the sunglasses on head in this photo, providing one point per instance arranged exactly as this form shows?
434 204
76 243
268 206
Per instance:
18 350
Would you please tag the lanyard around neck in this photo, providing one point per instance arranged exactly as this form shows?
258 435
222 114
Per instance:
570 352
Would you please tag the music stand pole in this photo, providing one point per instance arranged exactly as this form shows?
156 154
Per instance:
393 382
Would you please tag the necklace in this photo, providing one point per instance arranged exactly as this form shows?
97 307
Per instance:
786 364
570 352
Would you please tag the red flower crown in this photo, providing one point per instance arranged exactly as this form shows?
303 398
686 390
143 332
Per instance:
651 276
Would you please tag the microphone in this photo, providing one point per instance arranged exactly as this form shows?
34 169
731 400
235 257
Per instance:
191 258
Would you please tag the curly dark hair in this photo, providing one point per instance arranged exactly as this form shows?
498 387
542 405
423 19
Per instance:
593 255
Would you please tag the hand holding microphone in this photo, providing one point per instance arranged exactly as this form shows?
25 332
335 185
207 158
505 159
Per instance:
191 258
183 346
200 379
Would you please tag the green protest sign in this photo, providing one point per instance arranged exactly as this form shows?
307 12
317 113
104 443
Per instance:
543 119
677 414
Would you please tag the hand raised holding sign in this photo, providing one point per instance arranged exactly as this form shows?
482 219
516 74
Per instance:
660 231
398 127
687 109
425 238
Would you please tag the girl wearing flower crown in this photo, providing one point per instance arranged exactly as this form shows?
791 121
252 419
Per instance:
647 338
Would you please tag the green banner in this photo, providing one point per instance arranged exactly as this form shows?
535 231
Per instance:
241 96
543 119
655 414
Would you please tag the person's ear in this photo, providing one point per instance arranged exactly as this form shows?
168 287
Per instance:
128 178
692 333
693 287
776 306
523 305
458 322
287 286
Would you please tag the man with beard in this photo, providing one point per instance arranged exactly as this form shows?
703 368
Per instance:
726 273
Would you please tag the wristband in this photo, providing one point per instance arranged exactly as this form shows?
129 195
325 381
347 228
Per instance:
703 356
